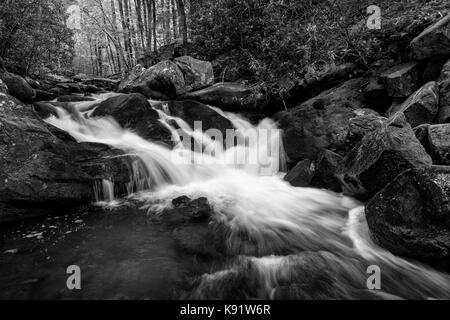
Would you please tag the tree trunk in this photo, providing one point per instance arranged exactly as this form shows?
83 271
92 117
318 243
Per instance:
154 25
183 21
174 19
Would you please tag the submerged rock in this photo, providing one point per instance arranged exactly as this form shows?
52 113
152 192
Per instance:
421 107
134 112
379 157
411 215
433 41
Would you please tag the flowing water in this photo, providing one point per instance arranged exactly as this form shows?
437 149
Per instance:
288 242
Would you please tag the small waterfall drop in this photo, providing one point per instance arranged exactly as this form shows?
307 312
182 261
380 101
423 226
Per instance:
273 226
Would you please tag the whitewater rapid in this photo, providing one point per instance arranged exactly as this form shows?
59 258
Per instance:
271 224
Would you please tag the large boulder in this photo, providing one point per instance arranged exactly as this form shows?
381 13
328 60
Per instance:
192 111
43 170
229 97
18 87
321 122
134 112
165 77
37 173
421 107
197 73
402 80
380 156
433 41
411 215
439 140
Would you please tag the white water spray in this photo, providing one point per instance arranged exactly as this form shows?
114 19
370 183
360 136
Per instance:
268 220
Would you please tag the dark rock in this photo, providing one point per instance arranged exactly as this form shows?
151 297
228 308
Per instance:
33 83
301 174
439 139
18 87
324 171
421 107
317 174
42 95
45 109
376 95
365 121
411 215
192 111
165 77
102 83
74 98
198 74
70 87
379 157
421 133
433 69
434 41
37 170
444 95
229 97
133 111
401 80
321 122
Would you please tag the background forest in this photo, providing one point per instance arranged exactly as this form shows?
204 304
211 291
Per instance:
270 43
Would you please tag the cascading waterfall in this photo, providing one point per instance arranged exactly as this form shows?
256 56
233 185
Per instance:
271 224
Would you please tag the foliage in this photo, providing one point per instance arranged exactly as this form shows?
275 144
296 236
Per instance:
276 39
34 36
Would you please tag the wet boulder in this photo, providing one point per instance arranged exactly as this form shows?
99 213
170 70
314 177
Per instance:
36 168
433 41
198 74
192 111
401 80
439 140
421 107
18 87
321 122
134 112
165 78
318 174
301 174
380 156
229 97
411 215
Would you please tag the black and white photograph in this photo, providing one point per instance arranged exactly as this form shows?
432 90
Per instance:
246 152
